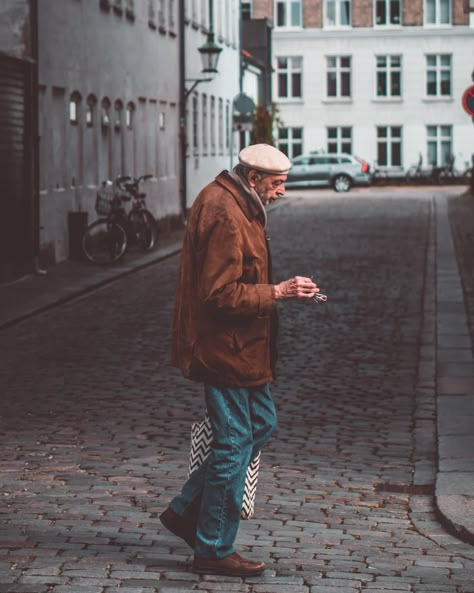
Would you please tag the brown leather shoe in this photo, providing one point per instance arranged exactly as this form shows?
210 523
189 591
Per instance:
232 565
179 526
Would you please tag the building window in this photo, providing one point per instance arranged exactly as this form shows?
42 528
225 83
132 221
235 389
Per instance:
439 146
90 111
130 9
437 12
213 124
105 113
118 108
389 76
227 125
195 120
389 146
290 141
337 13
339 139
205 124
161 15
387 12
151 14
221 125
130 115
246 10
289 77
171 15
338 76
438 75
118 8
74 107
288 13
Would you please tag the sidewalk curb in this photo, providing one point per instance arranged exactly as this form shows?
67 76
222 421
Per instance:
107 277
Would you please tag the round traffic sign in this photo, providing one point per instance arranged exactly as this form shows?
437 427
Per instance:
468 100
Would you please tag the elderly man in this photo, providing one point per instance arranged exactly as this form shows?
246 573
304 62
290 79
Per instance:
224 335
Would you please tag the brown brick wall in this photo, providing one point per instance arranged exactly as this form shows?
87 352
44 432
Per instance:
412 13
362 13
460 17
313 14
263 9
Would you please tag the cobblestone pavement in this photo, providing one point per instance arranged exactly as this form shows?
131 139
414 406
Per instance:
94 431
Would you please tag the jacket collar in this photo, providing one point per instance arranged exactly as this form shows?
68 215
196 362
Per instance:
244 196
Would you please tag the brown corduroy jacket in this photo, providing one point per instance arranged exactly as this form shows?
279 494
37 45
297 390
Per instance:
224 327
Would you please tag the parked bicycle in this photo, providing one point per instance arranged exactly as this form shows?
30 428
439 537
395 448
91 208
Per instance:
106 240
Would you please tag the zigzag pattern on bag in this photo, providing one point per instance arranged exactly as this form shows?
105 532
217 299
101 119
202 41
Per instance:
251 479
201 438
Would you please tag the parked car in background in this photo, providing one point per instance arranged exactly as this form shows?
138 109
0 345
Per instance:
339 171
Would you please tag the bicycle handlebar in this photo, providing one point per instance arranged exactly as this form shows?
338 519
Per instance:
131 182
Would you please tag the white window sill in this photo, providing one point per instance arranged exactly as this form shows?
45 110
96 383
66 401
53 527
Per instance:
333 100
438 99
387 100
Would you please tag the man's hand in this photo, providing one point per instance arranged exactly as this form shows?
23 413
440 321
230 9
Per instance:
298 287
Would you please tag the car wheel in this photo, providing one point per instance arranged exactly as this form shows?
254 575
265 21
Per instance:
342 183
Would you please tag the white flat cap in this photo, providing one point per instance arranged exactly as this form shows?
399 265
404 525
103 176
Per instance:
265 158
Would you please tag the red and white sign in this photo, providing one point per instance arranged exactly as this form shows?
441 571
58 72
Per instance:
468 100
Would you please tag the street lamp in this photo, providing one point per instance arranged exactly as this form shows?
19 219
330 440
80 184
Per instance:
210 53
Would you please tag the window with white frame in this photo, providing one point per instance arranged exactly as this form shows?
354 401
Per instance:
288 13
387 12
118 109
439 145
289 77
337 13
437 12
171 15
290 141
205 124
338 76
213 124
161 14
221 126
195 120
438 75
388 75
389 146
339 139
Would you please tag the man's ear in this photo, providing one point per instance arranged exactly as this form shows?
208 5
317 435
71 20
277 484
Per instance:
253 176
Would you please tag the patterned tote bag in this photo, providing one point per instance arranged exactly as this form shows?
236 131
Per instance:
201 437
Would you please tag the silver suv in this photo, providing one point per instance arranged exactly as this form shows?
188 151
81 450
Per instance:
339 171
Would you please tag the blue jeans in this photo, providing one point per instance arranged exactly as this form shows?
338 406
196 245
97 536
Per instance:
242 421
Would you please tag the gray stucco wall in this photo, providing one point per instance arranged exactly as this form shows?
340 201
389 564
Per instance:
93 57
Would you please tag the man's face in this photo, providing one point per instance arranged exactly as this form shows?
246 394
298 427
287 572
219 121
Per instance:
268 187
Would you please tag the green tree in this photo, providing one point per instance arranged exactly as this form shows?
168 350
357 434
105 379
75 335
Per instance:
264 124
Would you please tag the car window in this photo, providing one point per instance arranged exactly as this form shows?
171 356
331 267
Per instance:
345 159
319 160
301 161
333 160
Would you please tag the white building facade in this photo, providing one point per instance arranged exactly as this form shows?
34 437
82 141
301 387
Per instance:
211 144
381 79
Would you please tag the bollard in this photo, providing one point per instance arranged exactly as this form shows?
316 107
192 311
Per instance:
77 224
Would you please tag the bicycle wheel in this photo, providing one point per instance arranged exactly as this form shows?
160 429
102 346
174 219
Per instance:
144 228
104 242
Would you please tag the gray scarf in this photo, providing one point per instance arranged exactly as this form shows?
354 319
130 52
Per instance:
251 194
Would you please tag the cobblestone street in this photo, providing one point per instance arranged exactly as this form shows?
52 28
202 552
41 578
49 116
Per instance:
95 425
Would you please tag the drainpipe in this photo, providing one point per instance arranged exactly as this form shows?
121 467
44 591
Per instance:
182 113
34 139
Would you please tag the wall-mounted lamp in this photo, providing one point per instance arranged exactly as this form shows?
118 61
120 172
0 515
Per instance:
210 53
